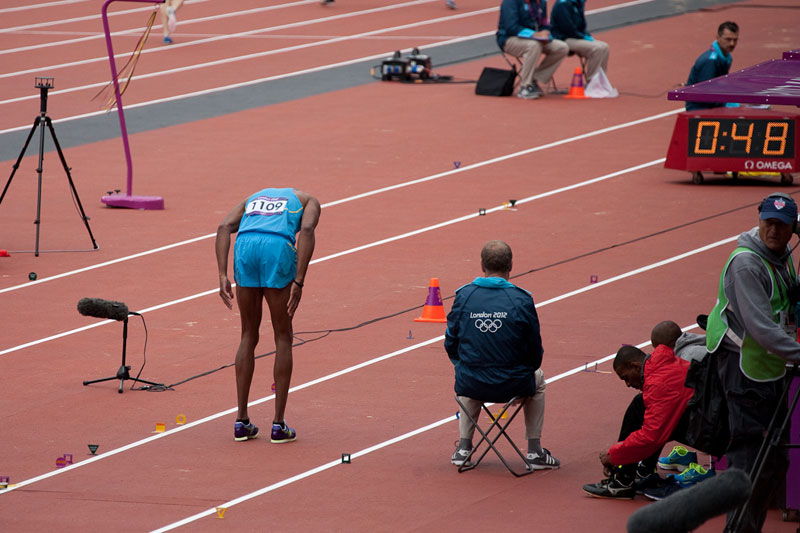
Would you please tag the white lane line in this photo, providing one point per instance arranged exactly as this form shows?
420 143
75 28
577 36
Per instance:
38 6
400 186
313 261
257 55
213 38
253 82
592 286
360 453
88 17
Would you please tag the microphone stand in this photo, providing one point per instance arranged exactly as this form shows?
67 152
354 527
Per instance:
124 370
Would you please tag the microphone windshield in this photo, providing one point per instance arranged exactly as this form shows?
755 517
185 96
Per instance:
99 308
689 508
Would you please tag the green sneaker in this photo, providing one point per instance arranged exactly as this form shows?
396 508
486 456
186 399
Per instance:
693 474
678 459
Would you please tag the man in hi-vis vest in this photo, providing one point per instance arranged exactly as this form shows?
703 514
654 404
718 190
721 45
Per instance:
752 330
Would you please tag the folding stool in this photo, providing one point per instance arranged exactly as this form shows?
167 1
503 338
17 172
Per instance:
497 423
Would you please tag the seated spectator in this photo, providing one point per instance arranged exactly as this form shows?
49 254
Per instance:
568 23
523 33
493 340
689 346
654 417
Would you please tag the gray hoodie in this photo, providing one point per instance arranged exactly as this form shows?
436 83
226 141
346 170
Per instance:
748 286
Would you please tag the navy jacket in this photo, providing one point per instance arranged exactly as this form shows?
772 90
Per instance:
711 64
567 20
516 15
493 340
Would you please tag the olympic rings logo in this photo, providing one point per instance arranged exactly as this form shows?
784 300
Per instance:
489 325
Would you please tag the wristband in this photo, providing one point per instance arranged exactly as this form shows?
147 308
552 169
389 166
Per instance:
297 283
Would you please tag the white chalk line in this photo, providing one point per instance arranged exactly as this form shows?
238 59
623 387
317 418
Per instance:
313 261
400 186
238 85
440 338
205 40
254 55
271 78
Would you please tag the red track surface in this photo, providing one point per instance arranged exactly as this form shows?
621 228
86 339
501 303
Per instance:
337 145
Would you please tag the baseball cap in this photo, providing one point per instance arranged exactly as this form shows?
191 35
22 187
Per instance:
780 207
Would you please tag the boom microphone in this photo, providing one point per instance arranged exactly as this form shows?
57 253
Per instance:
99 308
687 509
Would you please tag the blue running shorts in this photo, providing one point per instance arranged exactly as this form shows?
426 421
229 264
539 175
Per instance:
263 260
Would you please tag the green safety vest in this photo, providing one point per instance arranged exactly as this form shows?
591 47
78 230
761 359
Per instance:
755 361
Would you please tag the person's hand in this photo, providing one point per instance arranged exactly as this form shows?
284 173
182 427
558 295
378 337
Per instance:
525 33
608 466
542 35
295 293
225 291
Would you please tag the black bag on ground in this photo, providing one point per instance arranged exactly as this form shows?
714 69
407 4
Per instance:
708 411
496 81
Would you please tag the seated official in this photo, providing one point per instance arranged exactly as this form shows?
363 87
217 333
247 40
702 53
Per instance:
523 33
493 340
568 23
654 417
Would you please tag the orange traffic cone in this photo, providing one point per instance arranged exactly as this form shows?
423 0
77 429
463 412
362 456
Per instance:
576 87
433 310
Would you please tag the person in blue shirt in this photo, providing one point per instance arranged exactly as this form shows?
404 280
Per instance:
523 32
493 340
714 62
568 23
273 249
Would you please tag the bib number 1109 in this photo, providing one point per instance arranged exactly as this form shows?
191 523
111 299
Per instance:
264 205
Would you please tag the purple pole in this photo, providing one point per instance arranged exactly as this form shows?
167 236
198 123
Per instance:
128 199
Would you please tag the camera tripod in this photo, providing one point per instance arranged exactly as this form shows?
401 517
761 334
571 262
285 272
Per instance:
44 84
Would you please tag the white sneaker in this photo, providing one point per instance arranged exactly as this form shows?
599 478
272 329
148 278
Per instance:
530 92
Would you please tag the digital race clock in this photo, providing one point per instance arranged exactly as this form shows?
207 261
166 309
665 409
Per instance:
735 140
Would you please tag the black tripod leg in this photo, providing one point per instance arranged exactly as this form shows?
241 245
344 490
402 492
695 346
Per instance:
69 178
21 154
39 170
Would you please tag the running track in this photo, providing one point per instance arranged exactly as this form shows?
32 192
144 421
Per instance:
592 200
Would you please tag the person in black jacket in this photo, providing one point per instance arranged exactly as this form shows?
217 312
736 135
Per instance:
523 33
493 340
568 23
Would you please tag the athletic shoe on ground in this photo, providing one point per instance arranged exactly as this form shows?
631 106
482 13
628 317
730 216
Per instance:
451 4
653 481
694 474
530 92
542 462
172 20
678 459
282 433
666 489
610 488
460 455
244 432
167 39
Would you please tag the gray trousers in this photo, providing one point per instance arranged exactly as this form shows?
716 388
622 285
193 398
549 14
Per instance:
529 50
533 409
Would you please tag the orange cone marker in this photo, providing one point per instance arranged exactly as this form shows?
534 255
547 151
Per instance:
576 87
433 310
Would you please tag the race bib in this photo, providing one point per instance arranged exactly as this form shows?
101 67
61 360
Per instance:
265 205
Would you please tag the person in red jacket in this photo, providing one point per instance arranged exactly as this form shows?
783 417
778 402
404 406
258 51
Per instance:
654 417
